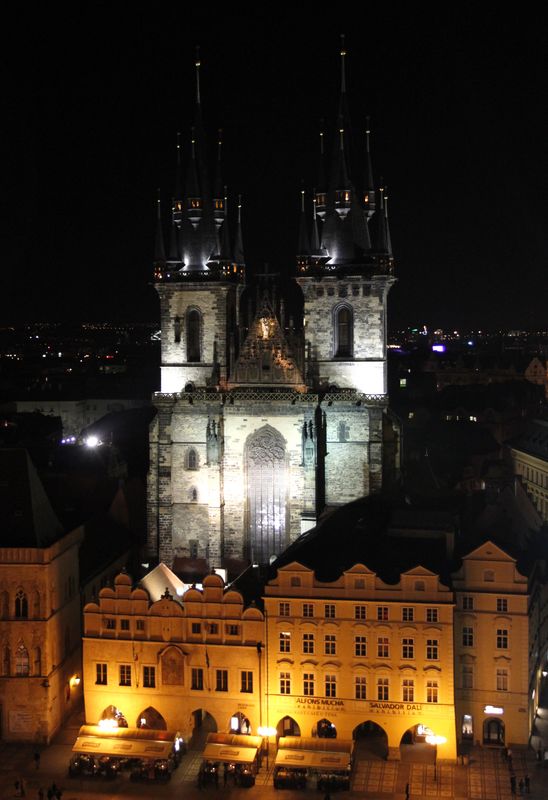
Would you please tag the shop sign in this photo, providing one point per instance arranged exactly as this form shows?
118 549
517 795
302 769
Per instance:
320 702
395 708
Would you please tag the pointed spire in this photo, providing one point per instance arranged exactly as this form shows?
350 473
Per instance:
369 193
381 243
177 205
303 244
159 248
315 238
219 210
343 65
194 195
198 64
173 254
321 193
225 251
387 224
238 244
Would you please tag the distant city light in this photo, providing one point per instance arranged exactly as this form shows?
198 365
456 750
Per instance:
438 348
92 441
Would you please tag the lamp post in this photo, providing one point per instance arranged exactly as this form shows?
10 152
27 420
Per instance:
435 741
266 731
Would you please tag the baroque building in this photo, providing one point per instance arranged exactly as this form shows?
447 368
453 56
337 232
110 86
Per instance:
266 417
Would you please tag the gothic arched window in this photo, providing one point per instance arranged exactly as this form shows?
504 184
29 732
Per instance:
193 335
266 472
192 459
177 329
21 605
344 323
22 660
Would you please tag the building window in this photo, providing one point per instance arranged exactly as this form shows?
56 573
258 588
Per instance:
21 605
408 614
285 642
431 691
420 586
232 630
140 624
295 581
382 613
284 610
308 643
101 674
383 689
467 636
489 575
432 615
343 332
382 647
330 685
197 678
192 459
124 624
432 651
193 335
196 627
502 639
213 628
468 603
502 680
360 646
360 612
125 674
22 664
308 684
110 624
359 583
343 431
360 688
246 681
285 683
193 548
502 605
149 677
330 644
408 648
408 690
221 680
308 610
467 676
329 611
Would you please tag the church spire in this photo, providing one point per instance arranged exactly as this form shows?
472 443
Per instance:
340 181
369 189
197 65
219 210
321 192
238 243
303 244
178 196
159 248
387 224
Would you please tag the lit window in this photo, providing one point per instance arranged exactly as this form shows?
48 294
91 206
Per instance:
382 647
221 680
285 642
467 636
432 646
330 644
408 690
502 639
431 691
330 685
383 689
22 663
308 684
125 674
149 677
308 643
408 648
360 688
285 683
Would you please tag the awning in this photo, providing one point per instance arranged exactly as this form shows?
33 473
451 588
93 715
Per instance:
230 755
123 748
316 759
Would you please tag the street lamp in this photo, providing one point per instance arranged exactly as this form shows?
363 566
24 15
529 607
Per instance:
266 731
435 741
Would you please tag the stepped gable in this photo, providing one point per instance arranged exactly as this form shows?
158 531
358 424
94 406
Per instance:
265 358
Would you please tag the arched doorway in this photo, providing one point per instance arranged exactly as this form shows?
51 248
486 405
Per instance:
287 727
493 731
112 717
326 730
414 747
371 741
239 723
204 723
151 719
266 475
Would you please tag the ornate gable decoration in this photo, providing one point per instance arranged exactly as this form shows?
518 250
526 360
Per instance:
266 358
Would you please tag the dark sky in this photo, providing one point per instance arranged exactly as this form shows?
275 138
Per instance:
459 117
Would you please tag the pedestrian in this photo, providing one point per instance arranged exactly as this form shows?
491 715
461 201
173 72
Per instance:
527 784
327 796
40 794
17 789
225 776
49 793
406 791
521 786
513 784
23 788
59 794
216 777
36 758
539 754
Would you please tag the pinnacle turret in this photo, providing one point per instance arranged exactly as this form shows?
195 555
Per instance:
369 184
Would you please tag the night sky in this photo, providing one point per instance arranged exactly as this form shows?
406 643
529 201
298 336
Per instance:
458 104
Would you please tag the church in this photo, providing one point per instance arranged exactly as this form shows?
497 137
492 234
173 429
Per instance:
267 418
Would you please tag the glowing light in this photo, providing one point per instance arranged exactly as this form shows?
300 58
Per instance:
433 739
92 441
108 724
493 710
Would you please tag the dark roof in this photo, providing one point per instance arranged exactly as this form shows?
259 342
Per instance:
28 519
534 440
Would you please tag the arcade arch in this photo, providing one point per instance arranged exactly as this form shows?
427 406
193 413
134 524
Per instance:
203 723
493 731
151 719
371 741
239 723
325 729
287 726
